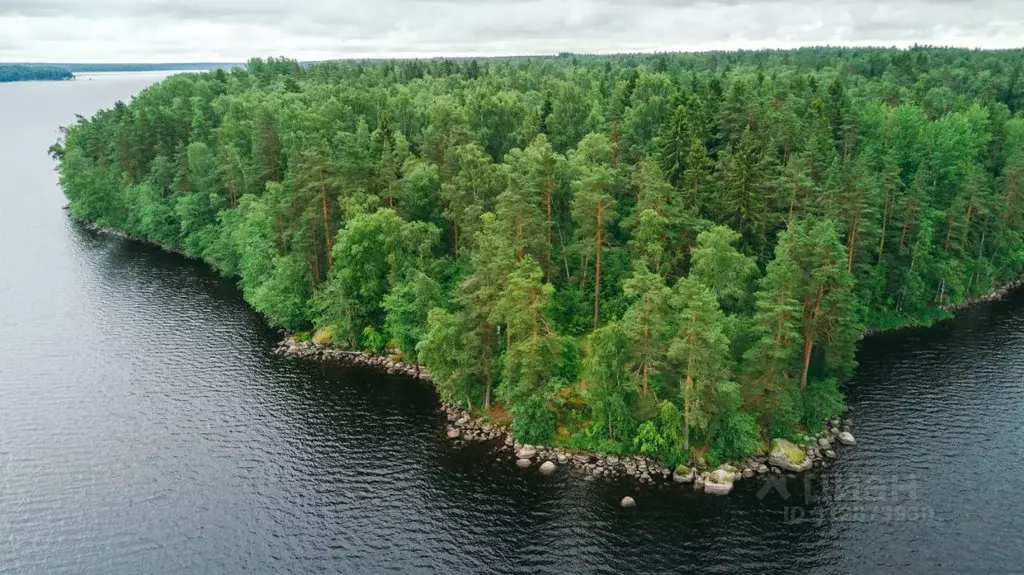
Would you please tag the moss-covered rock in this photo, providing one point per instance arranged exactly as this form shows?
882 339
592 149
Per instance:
324 335
787 455
682 474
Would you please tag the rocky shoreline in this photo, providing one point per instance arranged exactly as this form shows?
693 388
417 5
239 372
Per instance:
995 295
463 429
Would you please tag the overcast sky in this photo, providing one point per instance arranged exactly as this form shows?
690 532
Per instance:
234 30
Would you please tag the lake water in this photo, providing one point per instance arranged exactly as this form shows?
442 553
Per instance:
146 427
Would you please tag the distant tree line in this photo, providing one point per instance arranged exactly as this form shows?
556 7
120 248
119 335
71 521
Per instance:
667 253
20 72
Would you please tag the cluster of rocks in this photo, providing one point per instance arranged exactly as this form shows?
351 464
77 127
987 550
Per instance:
463 427
291 347
783 456
996 294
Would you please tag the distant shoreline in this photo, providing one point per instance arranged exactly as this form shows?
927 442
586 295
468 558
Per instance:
26 73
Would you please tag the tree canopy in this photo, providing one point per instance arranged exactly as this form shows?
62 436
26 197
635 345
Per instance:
671 253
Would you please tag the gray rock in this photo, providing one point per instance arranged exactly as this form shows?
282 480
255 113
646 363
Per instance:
762 469
628 502
524 463
453 433
716 488
527 452
824 443
788 456
830 454
682 474
547 468
748 473
846 438
562 459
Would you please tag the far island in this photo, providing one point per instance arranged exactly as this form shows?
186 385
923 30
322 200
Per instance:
22 72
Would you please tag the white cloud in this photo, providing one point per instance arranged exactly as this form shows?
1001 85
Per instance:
234 30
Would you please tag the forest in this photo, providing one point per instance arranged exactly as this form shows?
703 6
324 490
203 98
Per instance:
672 254
22 72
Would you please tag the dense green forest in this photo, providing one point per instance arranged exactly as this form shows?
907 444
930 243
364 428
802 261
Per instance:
669 253
20 72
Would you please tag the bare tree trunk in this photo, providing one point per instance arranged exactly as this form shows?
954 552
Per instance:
597 270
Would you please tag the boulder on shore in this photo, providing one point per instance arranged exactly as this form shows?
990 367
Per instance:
719 482
788 456
682 474
524 463
527 452
846 438
628 501
547 468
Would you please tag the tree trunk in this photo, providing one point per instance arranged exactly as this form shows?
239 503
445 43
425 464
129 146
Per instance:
809 336
547 199
687 387
646 341
851 247
808 346
487 367
327 224
910 216
885 221
597 269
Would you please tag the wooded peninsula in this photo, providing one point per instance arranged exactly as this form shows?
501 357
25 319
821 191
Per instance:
666 254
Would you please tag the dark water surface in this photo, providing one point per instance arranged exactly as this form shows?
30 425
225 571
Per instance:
145 427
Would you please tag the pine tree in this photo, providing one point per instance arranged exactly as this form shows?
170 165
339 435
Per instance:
646 323
594 209
699 350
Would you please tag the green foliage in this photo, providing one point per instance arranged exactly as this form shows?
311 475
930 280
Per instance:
373 341
700 352
716 263
610 393
662 437
407 307
783 411
735 434
822 401
533 421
